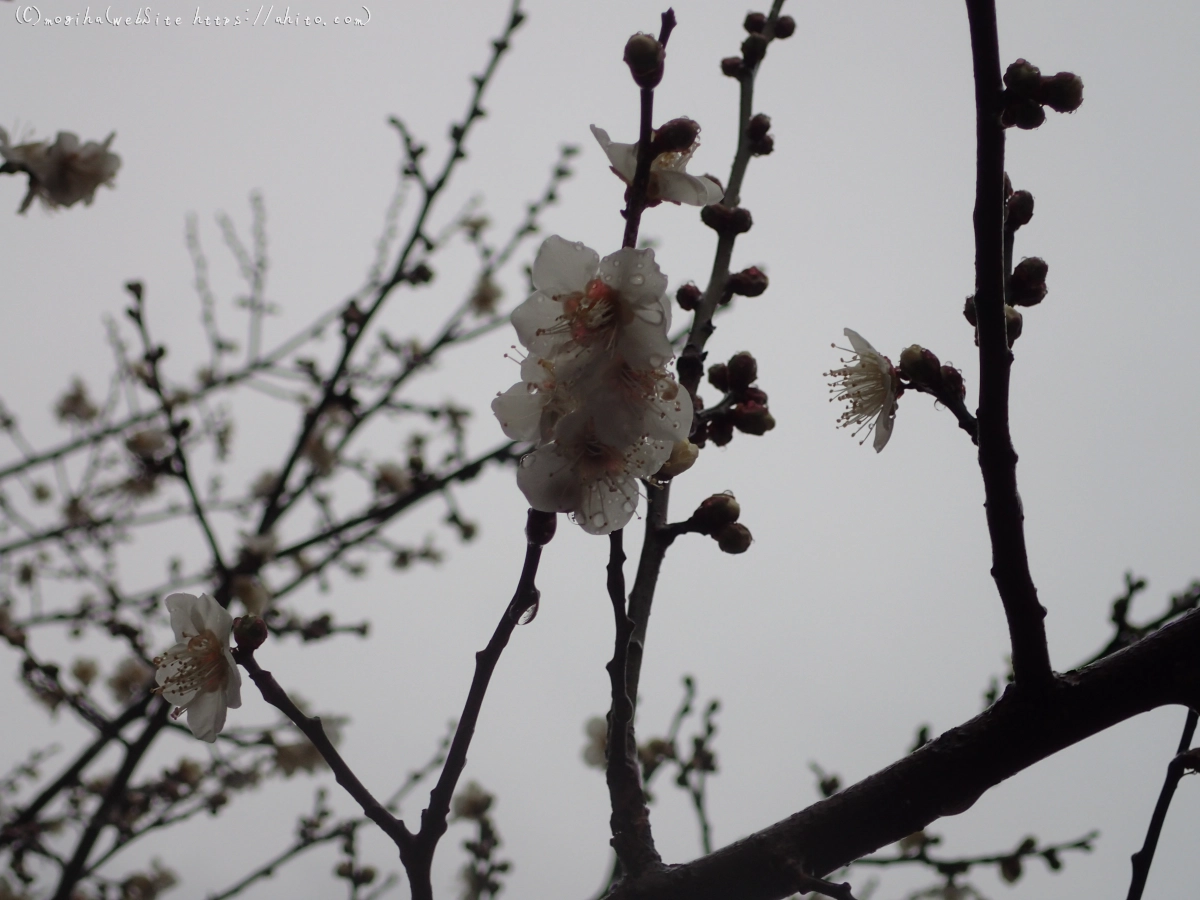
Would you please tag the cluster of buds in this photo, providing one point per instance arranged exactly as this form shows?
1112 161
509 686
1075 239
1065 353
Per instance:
1027 92
717 516
925 372
758 134
596 398
744 407
1014 322
760 32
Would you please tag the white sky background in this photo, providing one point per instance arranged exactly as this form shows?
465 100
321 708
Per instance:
865 607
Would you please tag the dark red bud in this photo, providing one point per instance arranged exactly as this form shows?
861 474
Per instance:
732 66
752 418
688 297
725 220
249 632
1027 284
952 382
755 394
785 27
645 57
748 283
754 48
743 371
969 312
718 377
1013 324
1019 210
1024 114
758 127
715 512
755 23
1022 78
734 538
720 429
540 527
1062 92
674 136
763 146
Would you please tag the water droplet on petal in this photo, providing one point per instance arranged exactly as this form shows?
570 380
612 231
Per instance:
597 520
579 245
616 263
637 279
527 461
531 387
638 266
656 360
627 506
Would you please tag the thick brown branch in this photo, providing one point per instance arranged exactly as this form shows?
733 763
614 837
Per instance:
997 457
945 777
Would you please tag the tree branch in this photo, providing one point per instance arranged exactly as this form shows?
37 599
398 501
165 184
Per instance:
944 777
997 457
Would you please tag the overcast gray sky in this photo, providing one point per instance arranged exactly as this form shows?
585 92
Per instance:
864 607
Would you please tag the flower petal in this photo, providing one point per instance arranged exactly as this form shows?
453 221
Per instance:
607 504
622 157
206 715
233 686
680 187
562 267
520 412
180 607
883 425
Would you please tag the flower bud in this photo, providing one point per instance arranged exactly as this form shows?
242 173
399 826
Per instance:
725 220
250 632
1019 210
952 382
732 66
764 146
921 366
683 456
755 23
754 48
1027 284
540 527
715 512
754 394
969 312
674 136
645 57
743 371
718 377
720 429
1013 323
758 127
688 297
419 274
1024 114
1022 78
785 27
1062 92
752 418
748 283
734 538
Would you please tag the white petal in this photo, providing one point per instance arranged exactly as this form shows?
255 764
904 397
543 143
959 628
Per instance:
622 157
563 267
883 425
537 313
859 343
520 412
607 505
547 481
206 715
680 187
215 618
233 685
180 607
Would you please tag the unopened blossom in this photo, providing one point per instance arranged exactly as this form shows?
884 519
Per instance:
669 179
198 674
75 405
867 383
584 306
595 751
62 173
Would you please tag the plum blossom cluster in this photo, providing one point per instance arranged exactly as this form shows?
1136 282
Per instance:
595 396
62 173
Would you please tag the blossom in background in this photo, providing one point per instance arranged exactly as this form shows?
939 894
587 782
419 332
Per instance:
669 179
867 383
595 397
62 173
595 751
198 674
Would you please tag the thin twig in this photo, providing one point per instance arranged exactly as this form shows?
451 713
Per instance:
1144 858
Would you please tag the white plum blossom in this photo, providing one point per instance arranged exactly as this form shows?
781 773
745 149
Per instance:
198 674
62 173
867 383
584 306
595 397
669 179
